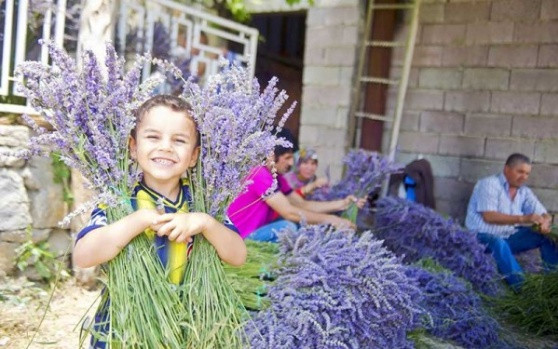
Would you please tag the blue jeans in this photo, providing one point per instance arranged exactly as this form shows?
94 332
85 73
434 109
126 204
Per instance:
522 240
269 231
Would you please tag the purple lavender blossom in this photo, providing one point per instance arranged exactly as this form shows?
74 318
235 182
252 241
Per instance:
413 231
235 122
336 290
455 310
364 172
91 116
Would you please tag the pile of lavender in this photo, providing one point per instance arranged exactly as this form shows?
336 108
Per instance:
456 311
337 290
413 231
236 125
364 172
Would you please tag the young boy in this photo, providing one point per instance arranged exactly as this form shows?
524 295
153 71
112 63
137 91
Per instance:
165 145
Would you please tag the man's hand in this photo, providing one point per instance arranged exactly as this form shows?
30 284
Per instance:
544 222
351 199
180 227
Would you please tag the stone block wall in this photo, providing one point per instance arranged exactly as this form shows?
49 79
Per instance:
30 200
483 84
330 55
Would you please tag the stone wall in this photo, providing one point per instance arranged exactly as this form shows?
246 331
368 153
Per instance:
30 199
483 84
332 34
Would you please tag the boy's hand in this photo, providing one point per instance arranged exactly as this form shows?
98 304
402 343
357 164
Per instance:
351 199
180 227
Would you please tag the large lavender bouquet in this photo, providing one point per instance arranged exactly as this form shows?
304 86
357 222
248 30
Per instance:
235 122
414 232
91 118
364 172
455 310
336 290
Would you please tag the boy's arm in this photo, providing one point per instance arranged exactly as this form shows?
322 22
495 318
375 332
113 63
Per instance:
229 245
104 243
281 205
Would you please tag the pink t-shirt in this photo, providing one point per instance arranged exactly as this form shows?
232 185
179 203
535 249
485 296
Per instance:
249 211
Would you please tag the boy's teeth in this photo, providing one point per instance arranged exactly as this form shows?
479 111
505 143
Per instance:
163 161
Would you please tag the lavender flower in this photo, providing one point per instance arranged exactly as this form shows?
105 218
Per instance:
91 116
456 311
364 172
235 122
413 231
336 290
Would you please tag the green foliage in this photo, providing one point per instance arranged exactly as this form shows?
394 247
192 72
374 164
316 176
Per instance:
535 307
62 175
39 257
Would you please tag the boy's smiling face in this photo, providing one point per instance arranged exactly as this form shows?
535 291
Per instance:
164 146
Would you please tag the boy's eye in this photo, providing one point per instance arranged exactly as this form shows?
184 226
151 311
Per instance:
180 140
152 137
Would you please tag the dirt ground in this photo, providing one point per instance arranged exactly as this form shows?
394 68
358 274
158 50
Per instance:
22 305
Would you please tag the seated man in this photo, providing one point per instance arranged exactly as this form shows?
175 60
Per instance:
262 210
503 211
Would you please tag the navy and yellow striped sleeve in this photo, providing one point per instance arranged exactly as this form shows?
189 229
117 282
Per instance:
98 219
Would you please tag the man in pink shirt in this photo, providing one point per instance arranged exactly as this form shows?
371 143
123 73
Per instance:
262 210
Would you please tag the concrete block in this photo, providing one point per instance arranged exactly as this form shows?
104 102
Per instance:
314 56
330 95
395 73
441 122
467 101
428 56
544 176
410 121
442 78
467 12
548 56
309 134
342 116
418 142
489 33
548 197
544 80
431 13
443 33
444 166
516 10
549 104
465 56
313 75
474 169
340 56
403 158
501 148
549 9
515 102
328 16
452 189
313 115
535 126
486 79
324 36
417 99
546 151
456 208
461 145
488 124
346 76
538 32
524 56
350 35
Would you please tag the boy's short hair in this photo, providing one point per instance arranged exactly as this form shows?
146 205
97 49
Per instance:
280 150
174 103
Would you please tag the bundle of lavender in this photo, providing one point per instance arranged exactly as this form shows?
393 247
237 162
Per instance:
337 290
237 133
364 172
91 118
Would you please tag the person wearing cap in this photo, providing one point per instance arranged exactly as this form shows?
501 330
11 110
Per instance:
303 179
268 206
